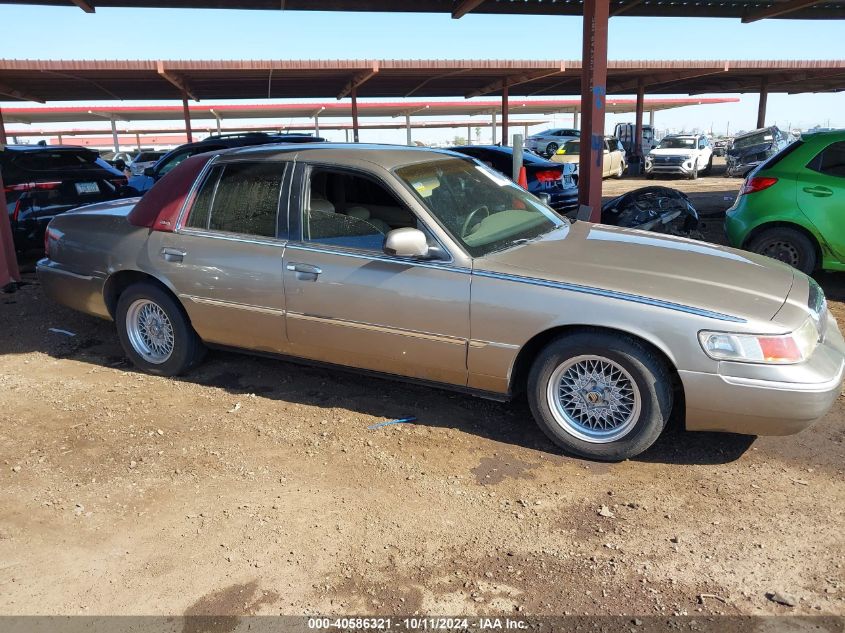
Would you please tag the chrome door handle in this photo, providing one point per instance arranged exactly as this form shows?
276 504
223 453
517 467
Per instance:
819 192
304 268
173 255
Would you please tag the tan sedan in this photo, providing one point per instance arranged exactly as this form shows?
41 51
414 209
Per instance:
613 163
428 265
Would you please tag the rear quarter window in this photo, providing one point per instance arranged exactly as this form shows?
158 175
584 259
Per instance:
54 161
830 161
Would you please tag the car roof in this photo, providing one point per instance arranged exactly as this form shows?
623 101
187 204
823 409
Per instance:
387 156
47 148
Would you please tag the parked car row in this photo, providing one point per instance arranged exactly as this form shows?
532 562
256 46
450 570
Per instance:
431 266
614 160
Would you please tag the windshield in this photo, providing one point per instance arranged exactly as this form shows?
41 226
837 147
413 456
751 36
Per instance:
148 157
481 209
571 148
764 136
677 142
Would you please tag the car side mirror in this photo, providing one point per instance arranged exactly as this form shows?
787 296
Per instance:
150 172
406 242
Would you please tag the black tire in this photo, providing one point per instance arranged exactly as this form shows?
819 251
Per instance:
551 148
649 176
647 371
709 169
694 173
788 245
187 348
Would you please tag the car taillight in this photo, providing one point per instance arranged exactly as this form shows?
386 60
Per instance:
755 184
25 187
549 175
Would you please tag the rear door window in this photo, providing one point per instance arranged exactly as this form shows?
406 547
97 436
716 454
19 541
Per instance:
830 161
240 198
55 160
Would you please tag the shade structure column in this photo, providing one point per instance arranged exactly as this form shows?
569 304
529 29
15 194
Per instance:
187 114
761 106
638 128
138 141
505 139
114 137
3 139
493 128
469 135
593 93
576 123
354 95
9 272
408 138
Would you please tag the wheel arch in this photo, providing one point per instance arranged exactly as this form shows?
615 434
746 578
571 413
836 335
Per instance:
120 280
531 349
757 230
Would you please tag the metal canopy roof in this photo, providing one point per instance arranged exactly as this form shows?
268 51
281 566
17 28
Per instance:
748 11
86 80
333 109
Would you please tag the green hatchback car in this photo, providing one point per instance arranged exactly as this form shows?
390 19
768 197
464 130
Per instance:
792 206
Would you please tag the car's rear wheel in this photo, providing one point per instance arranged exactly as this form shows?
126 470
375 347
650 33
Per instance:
787 245
155 332
693 175
709 170
619 172
551 148
600 395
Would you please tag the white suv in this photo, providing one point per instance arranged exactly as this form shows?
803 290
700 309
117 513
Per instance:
685 154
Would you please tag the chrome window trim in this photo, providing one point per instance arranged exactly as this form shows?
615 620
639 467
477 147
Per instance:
304 246
192 192
233 237
611 294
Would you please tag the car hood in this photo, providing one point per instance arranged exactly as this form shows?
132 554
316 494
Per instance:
675 151
667 268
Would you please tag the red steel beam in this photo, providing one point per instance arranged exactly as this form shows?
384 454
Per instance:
462 7
186 111
764 98
505 108
85 5
638 130
3 139
593 94
354 95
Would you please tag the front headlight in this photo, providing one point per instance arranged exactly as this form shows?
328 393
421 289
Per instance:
783 349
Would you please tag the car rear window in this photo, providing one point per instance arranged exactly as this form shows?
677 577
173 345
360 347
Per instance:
55 160
786 151
831 160
148 157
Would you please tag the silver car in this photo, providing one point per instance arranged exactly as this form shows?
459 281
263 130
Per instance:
430 266
547 142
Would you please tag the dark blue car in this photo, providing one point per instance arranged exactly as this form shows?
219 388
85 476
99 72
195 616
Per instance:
555 179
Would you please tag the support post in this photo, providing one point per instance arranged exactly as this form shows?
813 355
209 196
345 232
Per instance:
9 272
316 125
638 128
576 123
469 135
187 114
219 128
354 95
764 98
525 131
346 134
114 136
61 140
138 141
408 139
505 113
493 129
3 139
593 93
651 119
517 156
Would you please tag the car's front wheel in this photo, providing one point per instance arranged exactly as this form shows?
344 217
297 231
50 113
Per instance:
600 395
551 148
787 245
155 332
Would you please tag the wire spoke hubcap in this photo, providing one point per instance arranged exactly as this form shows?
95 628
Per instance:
594 399
150 331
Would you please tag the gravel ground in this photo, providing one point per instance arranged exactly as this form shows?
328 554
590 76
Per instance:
254 486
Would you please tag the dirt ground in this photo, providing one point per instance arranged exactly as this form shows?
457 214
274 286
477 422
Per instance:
254 486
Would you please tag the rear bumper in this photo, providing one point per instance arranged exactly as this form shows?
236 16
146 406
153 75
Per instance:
79 292
753 406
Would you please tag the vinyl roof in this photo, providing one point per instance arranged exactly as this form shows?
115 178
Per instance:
747 11
89 80
532 107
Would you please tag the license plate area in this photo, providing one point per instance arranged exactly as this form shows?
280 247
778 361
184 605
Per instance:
83 188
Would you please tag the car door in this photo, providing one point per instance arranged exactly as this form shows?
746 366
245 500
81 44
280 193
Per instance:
225 259
351 304
821 195
607 160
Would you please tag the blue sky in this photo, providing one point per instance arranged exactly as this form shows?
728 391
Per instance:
68 33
